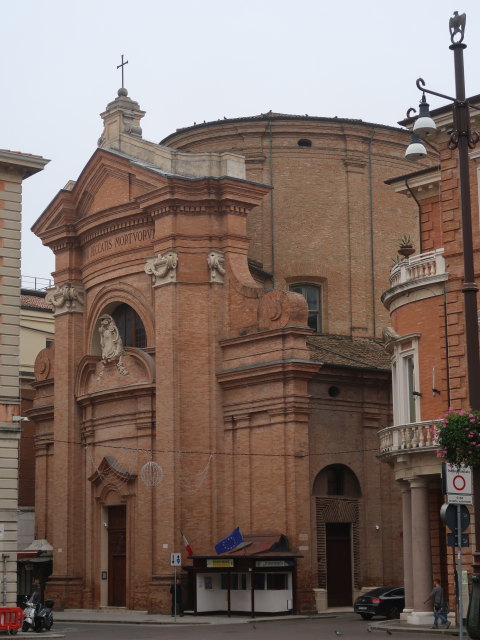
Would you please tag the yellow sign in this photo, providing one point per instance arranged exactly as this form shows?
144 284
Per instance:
221 563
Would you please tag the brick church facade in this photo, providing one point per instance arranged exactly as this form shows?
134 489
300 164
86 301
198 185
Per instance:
184 393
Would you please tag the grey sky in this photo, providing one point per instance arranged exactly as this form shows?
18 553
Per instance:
195 60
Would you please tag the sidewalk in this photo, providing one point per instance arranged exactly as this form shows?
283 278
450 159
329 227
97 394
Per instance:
113 615
398 626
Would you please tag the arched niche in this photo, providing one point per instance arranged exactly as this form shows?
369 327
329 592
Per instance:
337 481
130 314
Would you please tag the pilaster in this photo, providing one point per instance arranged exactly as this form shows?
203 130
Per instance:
67 520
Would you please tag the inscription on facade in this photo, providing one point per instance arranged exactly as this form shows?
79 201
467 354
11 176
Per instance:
126 239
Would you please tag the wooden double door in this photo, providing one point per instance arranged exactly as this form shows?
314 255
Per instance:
117 556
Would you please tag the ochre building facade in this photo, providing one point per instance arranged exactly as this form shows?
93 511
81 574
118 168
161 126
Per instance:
184 393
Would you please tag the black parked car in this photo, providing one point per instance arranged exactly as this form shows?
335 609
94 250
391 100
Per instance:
383 601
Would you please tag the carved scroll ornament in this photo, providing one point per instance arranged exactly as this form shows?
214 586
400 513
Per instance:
66 298
163 268
216 264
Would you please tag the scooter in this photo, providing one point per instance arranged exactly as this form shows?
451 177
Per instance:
44 616
29 608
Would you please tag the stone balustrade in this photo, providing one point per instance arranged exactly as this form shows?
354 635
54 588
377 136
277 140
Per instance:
418 436
423 265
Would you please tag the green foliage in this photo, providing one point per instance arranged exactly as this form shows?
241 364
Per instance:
458 437
405 241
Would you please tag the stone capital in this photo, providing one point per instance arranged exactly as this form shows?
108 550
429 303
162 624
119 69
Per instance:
66 298
216 264
162 268
418 482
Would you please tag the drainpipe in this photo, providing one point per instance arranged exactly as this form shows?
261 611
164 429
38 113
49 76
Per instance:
446 344
272 220
419 221
5 557
372 251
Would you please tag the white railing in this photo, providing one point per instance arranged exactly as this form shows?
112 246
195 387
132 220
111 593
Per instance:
418 436
426 264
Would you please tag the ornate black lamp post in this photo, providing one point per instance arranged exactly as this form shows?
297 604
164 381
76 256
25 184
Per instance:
463 139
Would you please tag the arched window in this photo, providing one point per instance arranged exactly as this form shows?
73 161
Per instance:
130 326
312 295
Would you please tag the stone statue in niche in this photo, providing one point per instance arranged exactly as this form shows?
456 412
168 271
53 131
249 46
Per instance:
66 298
111 343
216 264
163 268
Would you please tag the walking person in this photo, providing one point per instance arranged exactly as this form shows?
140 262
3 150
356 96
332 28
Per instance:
176 591
439 605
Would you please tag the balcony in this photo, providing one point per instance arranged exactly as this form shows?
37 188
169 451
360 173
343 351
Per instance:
417 437
424 265
425 272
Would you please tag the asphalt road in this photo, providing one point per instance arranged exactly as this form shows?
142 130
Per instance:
343 627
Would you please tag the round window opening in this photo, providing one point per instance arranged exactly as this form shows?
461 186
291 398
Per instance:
304 142
333 391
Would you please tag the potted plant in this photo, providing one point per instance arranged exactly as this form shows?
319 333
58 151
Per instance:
406 247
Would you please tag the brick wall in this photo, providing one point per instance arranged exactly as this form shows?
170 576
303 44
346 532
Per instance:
330 217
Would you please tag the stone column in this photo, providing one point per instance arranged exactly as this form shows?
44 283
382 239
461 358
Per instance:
407 547
421 552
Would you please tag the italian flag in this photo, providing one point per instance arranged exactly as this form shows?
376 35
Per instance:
186 544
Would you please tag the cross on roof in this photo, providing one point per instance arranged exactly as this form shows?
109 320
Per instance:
122 65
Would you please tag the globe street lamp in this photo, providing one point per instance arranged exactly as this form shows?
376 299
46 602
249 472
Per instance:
462 138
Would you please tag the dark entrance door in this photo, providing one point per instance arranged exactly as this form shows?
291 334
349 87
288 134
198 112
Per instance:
117 556
339 563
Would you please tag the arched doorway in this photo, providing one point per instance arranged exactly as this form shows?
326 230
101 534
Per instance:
336 491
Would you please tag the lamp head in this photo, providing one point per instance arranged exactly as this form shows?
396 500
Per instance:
424 124
415 149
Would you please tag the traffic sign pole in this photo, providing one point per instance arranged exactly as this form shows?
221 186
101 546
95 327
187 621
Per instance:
175 592
459 572
175 561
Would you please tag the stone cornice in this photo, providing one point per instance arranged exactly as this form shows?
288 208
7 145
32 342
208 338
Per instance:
266 333
431 286
90 230
199 194
42 413
267 372
9 430
25 164
424 186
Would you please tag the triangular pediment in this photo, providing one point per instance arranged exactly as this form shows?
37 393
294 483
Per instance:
109 181
110 469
